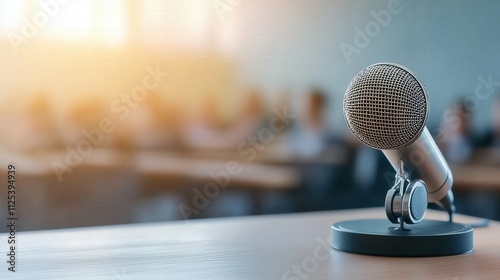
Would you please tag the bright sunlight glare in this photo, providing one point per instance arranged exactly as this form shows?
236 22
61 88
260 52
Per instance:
11 14
76 19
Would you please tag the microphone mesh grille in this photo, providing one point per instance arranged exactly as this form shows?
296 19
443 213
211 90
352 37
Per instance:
386 107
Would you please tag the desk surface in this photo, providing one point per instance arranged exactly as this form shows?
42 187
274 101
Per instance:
292 246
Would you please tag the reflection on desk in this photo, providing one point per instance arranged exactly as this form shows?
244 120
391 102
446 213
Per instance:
291 246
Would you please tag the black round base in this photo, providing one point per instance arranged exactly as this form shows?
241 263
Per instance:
382 238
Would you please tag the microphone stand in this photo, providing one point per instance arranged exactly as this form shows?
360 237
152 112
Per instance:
406 202
401 178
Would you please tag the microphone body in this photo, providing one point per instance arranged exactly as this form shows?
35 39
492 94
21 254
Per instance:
423 160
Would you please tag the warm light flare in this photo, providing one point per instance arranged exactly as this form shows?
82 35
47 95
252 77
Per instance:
177 23
76 19
78 48
186 24
11 14
112 23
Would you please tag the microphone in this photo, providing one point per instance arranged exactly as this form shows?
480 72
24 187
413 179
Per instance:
386 107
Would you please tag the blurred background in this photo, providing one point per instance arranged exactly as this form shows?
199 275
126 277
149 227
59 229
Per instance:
126 111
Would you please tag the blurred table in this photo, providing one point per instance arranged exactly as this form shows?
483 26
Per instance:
475 177
481 172
291 246
486 156
160 163
247 174
273 168
276 154
108 186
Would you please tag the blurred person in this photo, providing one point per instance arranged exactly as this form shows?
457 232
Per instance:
253 116
34 128
480 203
283 103
312 134
457 142
84 117
205 132
201 131
491 138
311 138
283 127
149 125
279 201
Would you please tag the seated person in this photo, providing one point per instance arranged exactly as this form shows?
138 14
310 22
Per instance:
492 137
457 142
